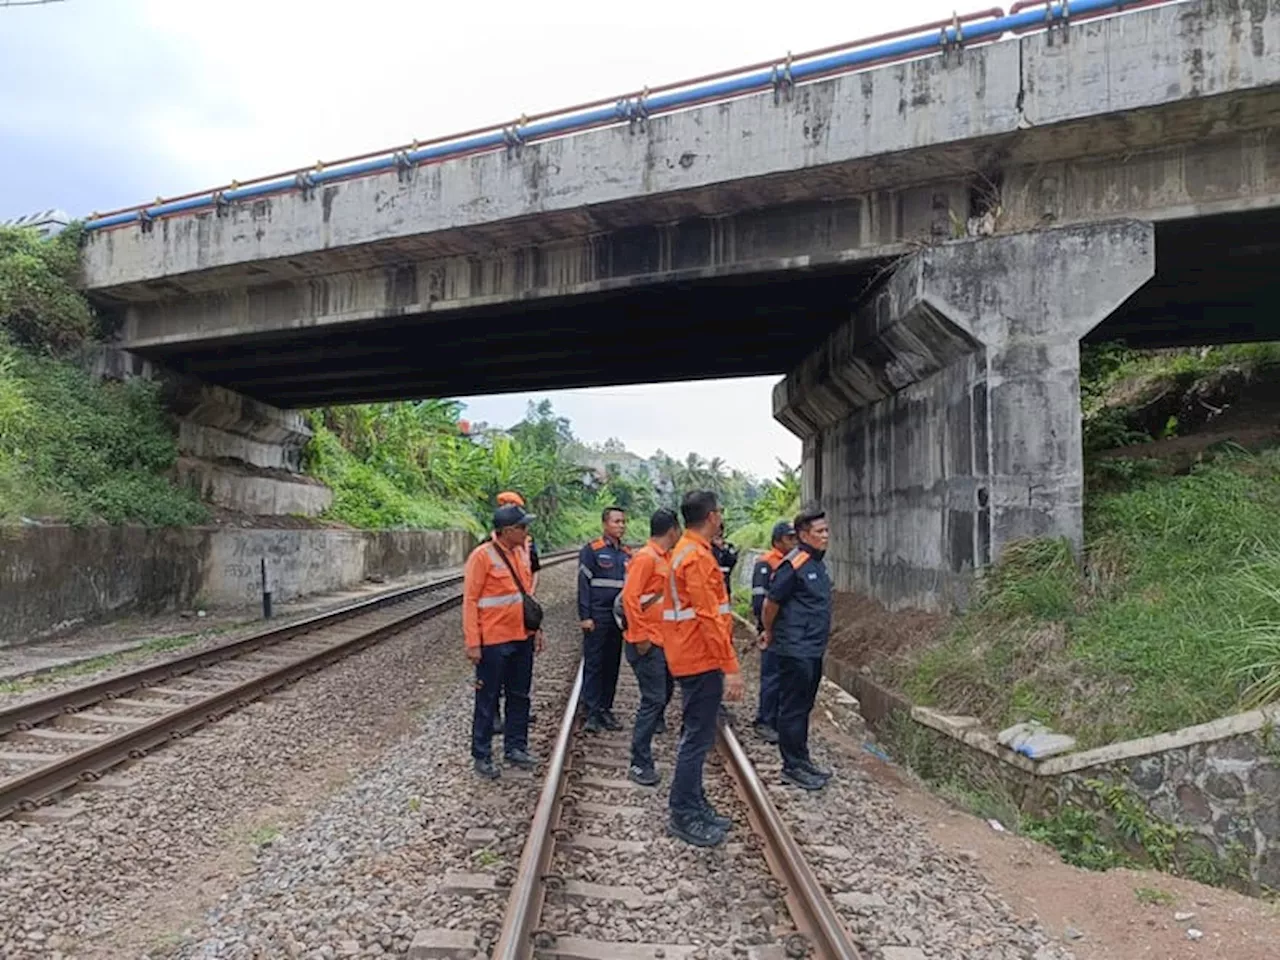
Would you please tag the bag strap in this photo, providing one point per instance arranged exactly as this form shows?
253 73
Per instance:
514 576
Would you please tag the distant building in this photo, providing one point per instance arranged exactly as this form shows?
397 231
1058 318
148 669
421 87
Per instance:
47 223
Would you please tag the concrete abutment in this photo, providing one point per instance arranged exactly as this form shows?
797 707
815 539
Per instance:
942 421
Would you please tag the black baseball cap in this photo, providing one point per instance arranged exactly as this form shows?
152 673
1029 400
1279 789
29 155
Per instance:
511 516
782 529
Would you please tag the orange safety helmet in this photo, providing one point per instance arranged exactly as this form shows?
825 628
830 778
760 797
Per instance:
509 497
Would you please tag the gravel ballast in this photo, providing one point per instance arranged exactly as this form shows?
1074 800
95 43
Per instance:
341 818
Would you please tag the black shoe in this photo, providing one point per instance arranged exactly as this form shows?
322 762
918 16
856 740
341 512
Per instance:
593 725
486 769
766 732
661 728
609 721
799 777
714 818
694 831
817 771
645 776
521 758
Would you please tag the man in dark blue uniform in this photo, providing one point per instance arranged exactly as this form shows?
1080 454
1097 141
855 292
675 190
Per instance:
726 555
783 542
797 624
602 569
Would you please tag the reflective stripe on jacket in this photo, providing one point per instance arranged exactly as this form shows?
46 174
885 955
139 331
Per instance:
642 595
602 570
801 588
492 608
699 634
761 577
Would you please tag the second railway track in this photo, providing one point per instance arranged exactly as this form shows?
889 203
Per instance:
55 743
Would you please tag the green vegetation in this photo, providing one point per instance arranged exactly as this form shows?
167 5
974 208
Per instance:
415 465
1153 897
1174 616
70 447
94 664
1174 619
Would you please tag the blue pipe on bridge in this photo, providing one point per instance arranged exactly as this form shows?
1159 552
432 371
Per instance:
634 108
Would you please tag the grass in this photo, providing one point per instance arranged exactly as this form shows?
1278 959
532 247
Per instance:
94 664
1173 620
264 836
1151 897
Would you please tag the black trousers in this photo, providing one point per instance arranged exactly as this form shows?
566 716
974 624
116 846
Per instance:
798 681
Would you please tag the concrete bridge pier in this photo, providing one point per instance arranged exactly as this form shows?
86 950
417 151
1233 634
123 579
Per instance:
942 421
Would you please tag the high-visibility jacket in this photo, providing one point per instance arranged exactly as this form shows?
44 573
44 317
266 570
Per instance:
761 577
492 607
699 619
642 594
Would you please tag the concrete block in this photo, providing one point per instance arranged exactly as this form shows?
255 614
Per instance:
442 944
586 841
52 813
469 883
602 783
611 810
576 948
478 837
630 896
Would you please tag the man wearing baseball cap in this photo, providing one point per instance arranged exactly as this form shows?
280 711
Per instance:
499 639
784 541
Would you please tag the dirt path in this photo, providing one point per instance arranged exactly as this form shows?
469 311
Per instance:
1101 916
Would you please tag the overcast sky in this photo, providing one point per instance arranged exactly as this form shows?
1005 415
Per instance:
105 103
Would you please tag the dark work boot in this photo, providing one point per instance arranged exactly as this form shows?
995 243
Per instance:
486 769
766 732
820 772
799 777
661 728
694 830
521 758
593 725
713 817
609 721
645 776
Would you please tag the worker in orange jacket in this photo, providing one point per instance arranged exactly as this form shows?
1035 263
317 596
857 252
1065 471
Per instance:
641 597
509 498
495 581
699 652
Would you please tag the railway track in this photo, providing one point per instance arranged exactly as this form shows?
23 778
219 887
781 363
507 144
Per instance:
591 828
75 736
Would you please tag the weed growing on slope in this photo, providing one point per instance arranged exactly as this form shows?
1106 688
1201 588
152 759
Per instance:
1174 618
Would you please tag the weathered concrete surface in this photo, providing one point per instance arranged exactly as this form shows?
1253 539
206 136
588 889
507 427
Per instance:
1141 80
56 577
234 452
499 267
263 494
942 421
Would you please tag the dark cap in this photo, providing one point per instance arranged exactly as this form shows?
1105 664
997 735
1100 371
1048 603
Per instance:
511 516
782 529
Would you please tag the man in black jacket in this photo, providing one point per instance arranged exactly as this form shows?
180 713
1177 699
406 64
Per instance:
797 624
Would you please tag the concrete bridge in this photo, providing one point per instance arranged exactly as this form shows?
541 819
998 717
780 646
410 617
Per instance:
919 247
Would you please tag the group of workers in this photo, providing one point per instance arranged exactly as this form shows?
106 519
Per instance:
667 605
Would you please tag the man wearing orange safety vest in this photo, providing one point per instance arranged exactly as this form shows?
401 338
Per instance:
495 582
508 498
699 652
641 597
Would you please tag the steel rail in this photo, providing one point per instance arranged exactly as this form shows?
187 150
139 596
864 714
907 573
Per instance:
28 790
810 908
524 907
32 712
806 900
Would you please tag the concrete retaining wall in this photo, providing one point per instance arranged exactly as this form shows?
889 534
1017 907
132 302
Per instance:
1218 783
56 577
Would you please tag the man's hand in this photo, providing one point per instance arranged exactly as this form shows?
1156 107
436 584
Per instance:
643 648
765 639
588 626
473 654
733 689
539 642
